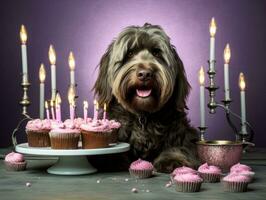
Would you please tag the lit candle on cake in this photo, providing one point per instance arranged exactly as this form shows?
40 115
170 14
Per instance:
42 75
58 107
71 63
242 86
104 111
23 38
85 110
202 97
52 109
71 100
227 56
52 59
47 110
212 28
96 108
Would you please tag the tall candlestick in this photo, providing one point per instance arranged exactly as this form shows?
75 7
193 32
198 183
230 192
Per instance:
71 63
47 110
23 38
52 58
242 86
202 97
213 28
96 108
85 110
42 75
58 107
104 111
71 100
52 109
227 56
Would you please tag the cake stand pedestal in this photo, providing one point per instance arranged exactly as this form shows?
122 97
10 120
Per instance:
72 161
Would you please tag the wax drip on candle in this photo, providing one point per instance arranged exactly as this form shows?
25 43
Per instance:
85 110
52 109
104 111
58 107
71 100
47 110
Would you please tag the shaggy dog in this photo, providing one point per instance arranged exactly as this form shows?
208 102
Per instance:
143 81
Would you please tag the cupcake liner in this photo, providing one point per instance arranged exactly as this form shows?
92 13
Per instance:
210 178
235 186
188 186
64 140
38 138
92 140
141 173
19 166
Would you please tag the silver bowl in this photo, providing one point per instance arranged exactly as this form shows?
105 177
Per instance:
221 153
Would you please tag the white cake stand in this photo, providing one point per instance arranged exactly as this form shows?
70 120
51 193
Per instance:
73 161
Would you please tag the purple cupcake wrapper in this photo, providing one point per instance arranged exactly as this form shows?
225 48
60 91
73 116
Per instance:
210 178
188 186
21 166
235 186
141 173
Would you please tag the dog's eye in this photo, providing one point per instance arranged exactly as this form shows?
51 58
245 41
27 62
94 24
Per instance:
156 52
130 54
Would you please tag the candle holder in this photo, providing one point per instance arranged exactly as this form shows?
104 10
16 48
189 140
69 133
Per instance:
202 132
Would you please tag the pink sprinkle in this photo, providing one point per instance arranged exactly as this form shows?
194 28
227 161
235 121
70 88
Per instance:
134 190
28 184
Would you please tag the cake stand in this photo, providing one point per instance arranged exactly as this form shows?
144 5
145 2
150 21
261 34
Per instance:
72 161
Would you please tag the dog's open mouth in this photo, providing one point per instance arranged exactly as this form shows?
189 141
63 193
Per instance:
143 93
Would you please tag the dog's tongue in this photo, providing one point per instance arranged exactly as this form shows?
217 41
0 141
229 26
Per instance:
143 93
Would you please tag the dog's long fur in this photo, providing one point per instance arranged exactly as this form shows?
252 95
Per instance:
157 128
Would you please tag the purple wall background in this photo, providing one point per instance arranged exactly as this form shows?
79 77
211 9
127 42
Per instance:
87 27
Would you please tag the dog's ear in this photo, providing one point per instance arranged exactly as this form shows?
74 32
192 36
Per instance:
101 88
182 87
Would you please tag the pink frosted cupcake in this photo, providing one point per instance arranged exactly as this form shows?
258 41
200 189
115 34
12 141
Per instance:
243 170
235 183
15 162
210 173
38 133
182 170
114 125
141 169
188 182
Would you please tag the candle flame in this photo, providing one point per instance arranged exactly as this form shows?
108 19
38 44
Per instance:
23 34
52 103
85 104
46 105
104 107
71 96
201 76
52 55
213 27
242 83
58 99
97 105
227 53
95 102
71 61
42 73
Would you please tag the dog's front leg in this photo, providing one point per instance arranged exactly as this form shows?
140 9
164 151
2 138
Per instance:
174 157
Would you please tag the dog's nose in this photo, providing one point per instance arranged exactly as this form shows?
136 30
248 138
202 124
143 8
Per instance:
144 74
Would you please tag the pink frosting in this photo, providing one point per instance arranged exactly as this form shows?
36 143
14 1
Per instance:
14 157
233 177
111 123
189 177
240 167
96 126
209 169
57 125
38 124
64 130
141 165
245 173
183 170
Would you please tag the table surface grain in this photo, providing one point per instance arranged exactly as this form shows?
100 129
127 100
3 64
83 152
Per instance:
116 186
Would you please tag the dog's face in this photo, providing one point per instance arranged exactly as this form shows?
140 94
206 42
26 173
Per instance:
142 71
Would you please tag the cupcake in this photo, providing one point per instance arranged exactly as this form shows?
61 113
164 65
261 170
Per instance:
114 125
141 169
38 133
15 162
235 182
210 173
241 167
188 182
243 170
64 136
95 135
182 170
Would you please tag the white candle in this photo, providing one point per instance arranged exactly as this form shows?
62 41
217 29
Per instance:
42 75
96 108
23 37
52 58
71 63
85 110
58 107
202 97
71 101
242 86
47 110
212 29
227 56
